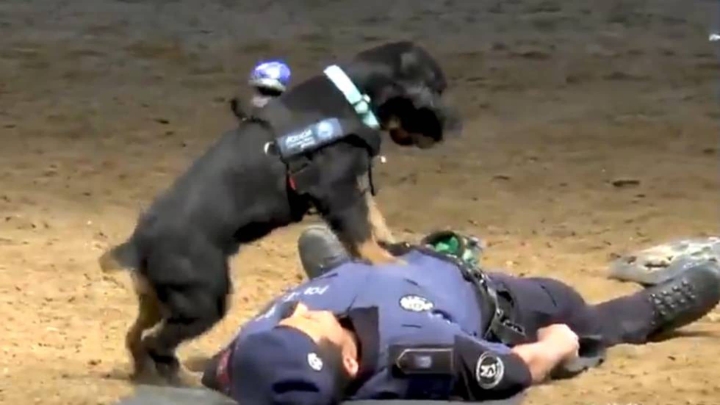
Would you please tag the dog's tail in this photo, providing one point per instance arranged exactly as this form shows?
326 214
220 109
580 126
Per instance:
119 257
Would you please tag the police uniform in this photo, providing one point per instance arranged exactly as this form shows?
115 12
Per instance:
425 332
420 333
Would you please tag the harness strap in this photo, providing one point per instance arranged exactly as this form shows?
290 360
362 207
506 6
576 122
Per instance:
295 149
360 102
300 171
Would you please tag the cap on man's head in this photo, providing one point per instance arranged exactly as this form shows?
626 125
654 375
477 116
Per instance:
281 366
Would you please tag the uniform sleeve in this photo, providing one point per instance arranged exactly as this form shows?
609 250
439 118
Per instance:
467 367
484 371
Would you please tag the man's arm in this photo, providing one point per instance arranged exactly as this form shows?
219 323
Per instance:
473 369
556 344
485 370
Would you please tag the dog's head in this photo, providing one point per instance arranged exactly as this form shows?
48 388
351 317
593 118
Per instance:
405 85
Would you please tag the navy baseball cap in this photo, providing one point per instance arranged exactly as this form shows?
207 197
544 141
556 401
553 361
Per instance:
282 366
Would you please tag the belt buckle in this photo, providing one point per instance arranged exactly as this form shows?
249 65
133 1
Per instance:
507 332
512 325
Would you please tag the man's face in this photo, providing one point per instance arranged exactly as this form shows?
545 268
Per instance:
319 325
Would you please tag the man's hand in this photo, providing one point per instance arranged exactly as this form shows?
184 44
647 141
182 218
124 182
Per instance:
556 344
562 339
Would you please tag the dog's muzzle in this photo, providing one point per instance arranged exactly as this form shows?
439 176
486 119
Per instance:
431 117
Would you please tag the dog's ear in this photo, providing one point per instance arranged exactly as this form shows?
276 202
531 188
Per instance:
417 65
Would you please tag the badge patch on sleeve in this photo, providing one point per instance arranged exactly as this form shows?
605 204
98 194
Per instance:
416 303
489 371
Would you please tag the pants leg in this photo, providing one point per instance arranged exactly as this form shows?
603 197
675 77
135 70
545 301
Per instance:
627 319
540 302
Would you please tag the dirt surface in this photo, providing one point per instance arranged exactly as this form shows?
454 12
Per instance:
103 103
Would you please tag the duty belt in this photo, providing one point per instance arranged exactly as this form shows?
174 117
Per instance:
496 309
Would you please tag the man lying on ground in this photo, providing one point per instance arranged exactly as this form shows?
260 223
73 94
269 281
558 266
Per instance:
437 327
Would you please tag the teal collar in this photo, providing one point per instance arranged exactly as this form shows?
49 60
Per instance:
360 102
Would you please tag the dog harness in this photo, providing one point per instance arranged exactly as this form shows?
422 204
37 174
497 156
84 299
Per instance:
296 148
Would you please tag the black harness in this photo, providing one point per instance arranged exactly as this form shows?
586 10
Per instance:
298 149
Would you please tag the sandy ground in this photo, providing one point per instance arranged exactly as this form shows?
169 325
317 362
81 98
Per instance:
103 102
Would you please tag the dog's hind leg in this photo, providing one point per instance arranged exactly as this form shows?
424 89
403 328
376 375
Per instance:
149 315
193 311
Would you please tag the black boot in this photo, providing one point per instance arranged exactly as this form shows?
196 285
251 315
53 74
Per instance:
684 299
320 250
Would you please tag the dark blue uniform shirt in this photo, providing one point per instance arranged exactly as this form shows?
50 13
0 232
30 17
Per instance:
419 328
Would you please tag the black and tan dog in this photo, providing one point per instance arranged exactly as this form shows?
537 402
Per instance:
308 148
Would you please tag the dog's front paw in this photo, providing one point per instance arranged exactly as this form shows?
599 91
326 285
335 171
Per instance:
184 378
388 258
174 373
377 255
145 372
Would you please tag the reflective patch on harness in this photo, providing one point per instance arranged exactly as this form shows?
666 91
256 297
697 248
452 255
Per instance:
310 138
